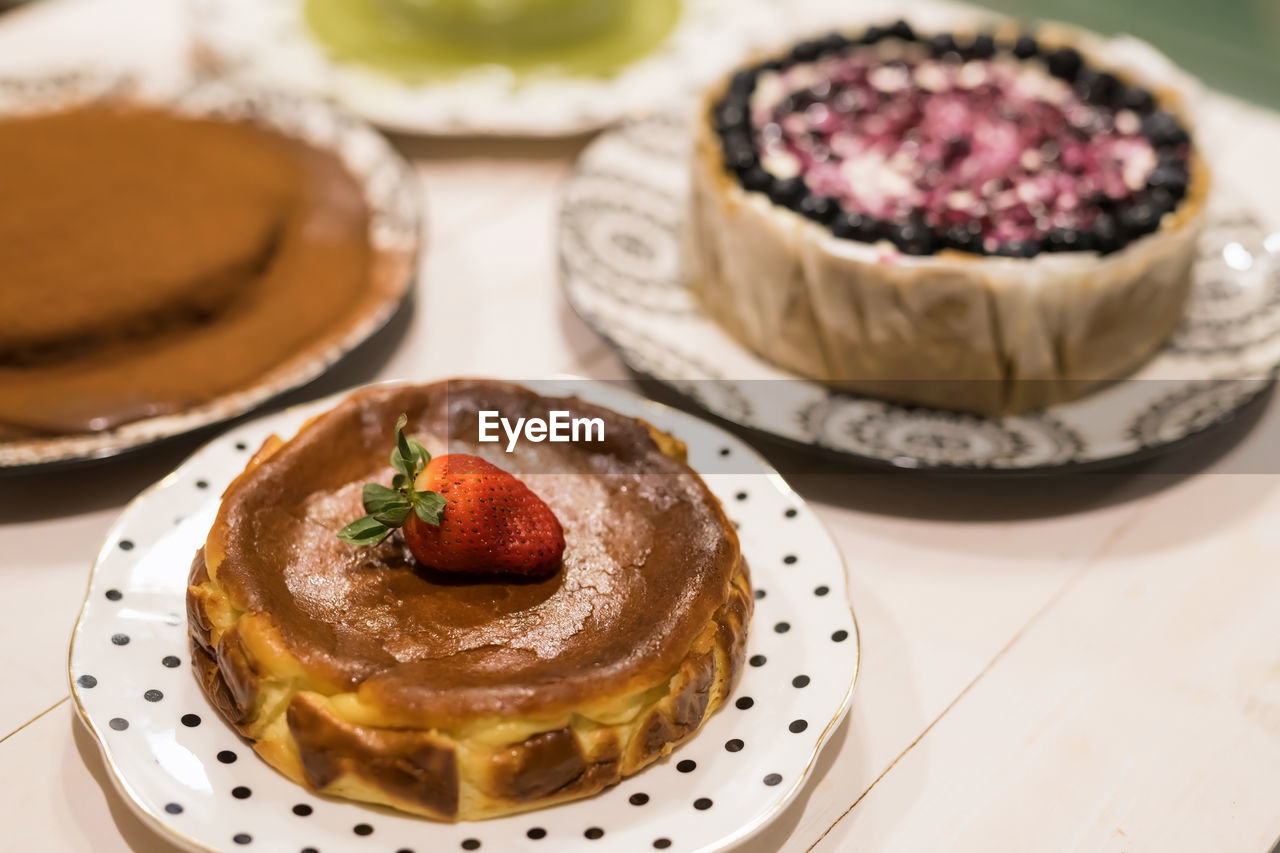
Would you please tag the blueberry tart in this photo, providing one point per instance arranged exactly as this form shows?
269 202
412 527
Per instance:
447 668
981 221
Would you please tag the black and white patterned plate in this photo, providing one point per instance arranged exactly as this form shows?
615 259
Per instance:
620 261
395 231
191 778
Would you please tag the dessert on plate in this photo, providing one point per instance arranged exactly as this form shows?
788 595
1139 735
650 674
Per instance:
175 259
425 39
982 221
499 631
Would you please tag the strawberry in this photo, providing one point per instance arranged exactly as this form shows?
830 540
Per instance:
459 513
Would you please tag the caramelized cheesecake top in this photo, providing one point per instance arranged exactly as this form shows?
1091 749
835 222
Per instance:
153 261
649 559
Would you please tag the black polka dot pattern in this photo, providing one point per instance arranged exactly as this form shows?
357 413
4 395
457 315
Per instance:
120 639
536 833
772 779
744 702
797 726
153 695
820 591
240 792
733 745
173 808
191 720
126 544
471 844
240 445
594 833
242 838
661 843
302 810
702 803
362 829
171 661
758 660
114 595
638 799
800 681
790 559
87 681
791 513
202 484
119 723
226 756
782 627
742 496
688 765
759 594
839 636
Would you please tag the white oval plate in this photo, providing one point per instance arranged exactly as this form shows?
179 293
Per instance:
620 260
192 778
268 41
395 229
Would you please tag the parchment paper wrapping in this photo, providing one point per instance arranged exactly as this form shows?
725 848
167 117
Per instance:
953 330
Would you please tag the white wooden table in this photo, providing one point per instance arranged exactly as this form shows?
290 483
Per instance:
1080 664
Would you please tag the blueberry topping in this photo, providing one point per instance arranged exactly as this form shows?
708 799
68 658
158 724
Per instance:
1018 249
756 179
731 114
1065 63
1068 240
787 191
1106 234
1025 47
1043 173
964 238
856 226
806 51
1139 218
1171 178
834 42
1096 87
942 44
819 208
901 29
914 238
1137 99
983 47
743 82
739 154
872 35
1164 131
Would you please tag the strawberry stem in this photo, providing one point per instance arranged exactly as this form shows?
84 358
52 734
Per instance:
388 507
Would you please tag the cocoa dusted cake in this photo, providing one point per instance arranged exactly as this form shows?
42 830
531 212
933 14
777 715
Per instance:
497 633
981 221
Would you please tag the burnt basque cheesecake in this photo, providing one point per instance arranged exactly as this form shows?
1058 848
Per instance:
984 221
605 623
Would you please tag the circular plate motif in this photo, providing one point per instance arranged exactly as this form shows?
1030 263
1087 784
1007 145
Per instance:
1224 353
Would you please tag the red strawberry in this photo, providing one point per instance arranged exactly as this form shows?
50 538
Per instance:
491 521
459 514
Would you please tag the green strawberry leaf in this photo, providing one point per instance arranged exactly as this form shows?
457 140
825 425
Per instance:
377 497
389 507
364 531
428 506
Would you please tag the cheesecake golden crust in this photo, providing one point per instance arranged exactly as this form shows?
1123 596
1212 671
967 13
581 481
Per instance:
947 328
361 674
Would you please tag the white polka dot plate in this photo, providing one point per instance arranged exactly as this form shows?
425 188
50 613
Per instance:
192 779
620 260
